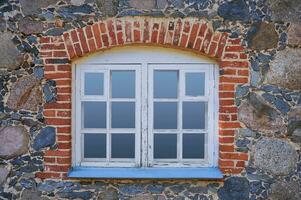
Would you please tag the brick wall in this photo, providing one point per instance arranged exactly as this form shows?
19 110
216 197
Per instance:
190 34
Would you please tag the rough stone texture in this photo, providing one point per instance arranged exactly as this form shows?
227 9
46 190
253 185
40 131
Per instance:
13 142
275 156
259 116
285 70
32 7
28 26
45 138
262 36
285 191
234 10
143 197
294 34
77 2
285 10
107 7
146 4
294 124
4 172
10 57
110 194
235 188
32 195
25 94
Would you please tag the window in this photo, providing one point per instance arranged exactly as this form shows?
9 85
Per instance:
135 109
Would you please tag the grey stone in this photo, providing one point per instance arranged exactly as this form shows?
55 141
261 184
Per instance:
77 195
161 4
245 132
45 138
235 188
294 124
110 194
32 195
275 156
285 69
131 189
255 78
258 116
285 191
32 7
77 2
143 197
234 10
143 5
107 7
285 10
46 187
10 57
13 141
28 26
241 91
294 34
25 94
4 172
262 36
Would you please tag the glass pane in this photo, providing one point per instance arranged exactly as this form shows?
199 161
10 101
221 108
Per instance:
94 114
123 84
123 145
94 83
165 115
165 146
194 115
195 84
123 115
165 84
94 145
193 145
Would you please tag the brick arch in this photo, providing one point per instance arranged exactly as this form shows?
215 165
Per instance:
190 34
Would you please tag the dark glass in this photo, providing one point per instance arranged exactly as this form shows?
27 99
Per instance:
94 83
194 115
195 84
94 114
123 84
165 115
123 145
94 145
165 146
165 84
193 146
123 115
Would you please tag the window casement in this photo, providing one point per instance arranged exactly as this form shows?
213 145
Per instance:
140 110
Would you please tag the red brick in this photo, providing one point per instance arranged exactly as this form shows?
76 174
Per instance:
63 129
226 148
57 121
224 79
137 36
46 175
63 161
146 31
241 64
162 32
229 125
177 33
193 35
226 139
60 54
128 31
226 163
64 113
69 45
226 87
57 168
111 29
206 41
58 153
226 132
202 30
58 75
234 48
83 40
221 45
228 109
57 106
96 32
74 36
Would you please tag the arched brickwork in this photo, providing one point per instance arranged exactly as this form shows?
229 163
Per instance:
191 34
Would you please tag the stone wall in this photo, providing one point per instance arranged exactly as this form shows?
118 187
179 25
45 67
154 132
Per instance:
269 105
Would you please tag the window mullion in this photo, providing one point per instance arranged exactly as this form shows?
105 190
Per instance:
144 115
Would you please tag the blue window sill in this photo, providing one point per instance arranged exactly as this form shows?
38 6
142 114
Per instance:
146 173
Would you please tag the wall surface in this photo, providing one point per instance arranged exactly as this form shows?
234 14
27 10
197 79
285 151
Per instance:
257 47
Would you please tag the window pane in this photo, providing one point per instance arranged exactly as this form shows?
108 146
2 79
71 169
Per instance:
94 83
94 114
165 115
123 145
123 84
165 146
94 145
194 115
165 84
193 145
123 115
195 84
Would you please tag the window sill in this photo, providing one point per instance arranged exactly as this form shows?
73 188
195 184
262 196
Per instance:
146 173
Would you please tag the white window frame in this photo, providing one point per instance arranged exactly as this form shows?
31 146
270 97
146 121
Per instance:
143 147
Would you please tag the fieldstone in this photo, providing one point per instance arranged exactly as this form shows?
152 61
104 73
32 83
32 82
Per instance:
32 7
10 57
13 142
285 70
107 7
285 191
275 156
45 138
234 10
25 94
28 26
77 2
258 116
143 197
86 195
294 124
245 132
131 189
235 188
4 172
32 195
262 36
285 10
110 194
294 34
143 5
